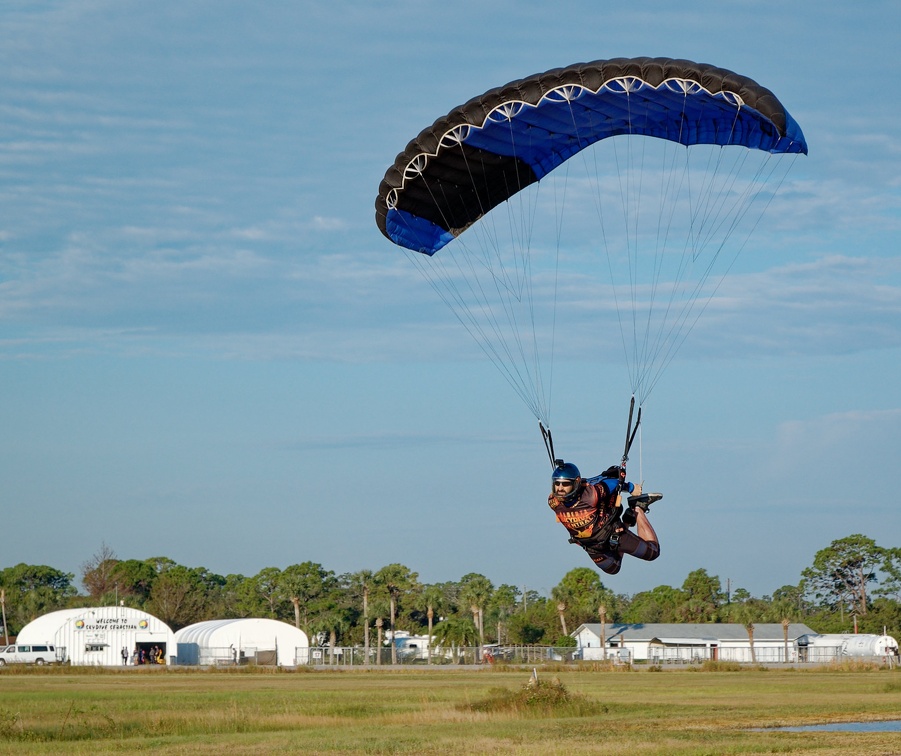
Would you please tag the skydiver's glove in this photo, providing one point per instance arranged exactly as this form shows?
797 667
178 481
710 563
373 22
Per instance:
629 518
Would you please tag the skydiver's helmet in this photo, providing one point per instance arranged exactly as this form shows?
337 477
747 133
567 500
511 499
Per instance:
568 472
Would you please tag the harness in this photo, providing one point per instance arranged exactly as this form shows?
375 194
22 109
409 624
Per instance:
606 535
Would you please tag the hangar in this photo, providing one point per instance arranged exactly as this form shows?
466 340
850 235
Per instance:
98 635
242 641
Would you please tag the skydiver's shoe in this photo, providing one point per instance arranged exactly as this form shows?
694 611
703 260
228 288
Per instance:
643 501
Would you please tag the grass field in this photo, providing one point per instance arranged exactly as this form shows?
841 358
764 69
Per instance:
447 711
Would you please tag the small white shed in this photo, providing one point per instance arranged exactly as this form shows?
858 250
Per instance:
98 635
242 641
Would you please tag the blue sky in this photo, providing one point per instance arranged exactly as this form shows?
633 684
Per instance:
209 352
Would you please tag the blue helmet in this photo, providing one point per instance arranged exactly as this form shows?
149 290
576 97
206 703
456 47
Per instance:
566 471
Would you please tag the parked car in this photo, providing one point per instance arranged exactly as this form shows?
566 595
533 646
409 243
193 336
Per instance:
28 654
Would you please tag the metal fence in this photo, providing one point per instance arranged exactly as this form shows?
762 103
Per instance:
344 656
353 656
229 655
532 655
694 654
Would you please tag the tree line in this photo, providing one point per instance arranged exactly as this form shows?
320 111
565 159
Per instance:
852 583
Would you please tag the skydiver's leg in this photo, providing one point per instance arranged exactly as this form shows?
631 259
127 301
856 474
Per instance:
644 544
609 562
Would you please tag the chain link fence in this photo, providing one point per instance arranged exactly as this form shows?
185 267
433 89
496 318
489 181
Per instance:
343 656
353 656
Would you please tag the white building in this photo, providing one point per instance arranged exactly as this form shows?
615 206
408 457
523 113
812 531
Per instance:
97 635
242 641
688 642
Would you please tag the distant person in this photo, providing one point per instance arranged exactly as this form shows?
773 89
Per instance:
124 656
593 515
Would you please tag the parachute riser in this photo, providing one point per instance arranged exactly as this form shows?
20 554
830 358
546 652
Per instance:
631 432
548 444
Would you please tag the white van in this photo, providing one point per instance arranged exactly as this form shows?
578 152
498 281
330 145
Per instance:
28 654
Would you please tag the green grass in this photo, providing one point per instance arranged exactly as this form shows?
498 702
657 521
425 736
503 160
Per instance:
672 713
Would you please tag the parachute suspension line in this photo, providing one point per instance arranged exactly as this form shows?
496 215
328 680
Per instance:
717 206
594 170
630 208
665 212
543 396
675 176
675 183
665 254
717 220
499 322
630 170
695 306
559 209
443 284
466 306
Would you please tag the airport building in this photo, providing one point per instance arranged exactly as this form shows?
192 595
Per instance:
103 636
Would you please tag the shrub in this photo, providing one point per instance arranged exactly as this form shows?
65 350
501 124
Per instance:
539 698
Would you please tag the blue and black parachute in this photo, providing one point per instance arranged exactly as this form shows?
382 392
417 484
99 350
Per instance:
663 222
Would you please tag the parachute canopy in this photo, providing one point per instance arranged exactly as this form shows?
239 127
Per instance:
483 152
672 158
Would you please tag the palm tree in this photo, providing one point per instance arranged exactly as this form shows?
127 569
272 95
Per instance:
379 623
379 609
455 633
362 582
563 596
476 590
432 599
746 613
332 622
503 602
396 580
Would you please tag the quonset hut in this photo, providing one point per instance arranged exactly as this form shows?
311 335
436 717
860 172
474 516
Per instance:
98 635
242 641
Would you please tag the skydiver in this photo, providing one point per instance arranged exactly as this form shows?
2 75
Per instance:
593 515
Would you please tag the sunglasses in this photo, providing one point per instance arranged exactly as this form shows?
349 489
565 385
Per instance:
566 483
